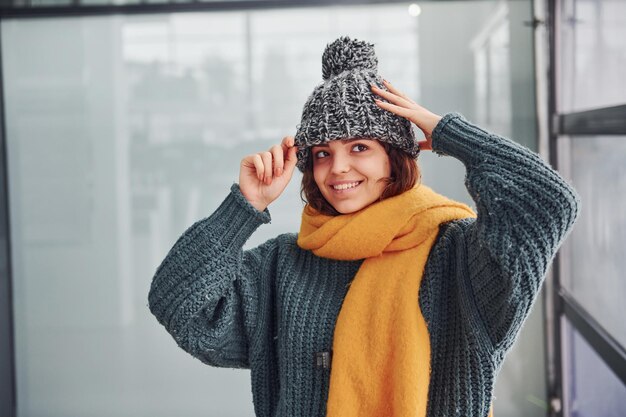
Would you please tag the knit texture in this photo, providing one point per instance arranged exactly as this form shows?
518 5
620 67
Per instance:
272 308
343 106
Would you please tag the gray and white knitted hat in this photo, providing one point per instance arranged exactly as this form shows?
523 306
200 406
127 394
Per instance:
343 106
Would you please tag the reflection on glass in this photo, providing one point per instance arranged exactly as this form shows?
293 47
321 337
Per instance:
595 252
591 389
493 73
592 48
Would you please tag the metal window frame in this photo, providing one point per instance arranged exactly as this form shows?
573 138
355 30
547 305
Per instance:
77 10
559 303
8 394
605 345
604 121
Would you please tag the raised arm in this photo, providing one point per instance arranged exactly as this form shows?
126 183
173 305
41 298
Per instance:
525 211
205 291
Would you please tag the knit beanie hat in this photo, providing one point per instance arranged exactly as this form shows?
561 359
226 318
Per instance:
343 106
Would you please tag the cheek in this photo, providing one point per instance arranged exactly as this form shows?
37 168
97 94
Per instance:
385 165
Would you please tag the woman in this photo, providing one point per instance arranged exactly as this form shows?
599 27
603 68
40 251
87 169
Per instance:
392 300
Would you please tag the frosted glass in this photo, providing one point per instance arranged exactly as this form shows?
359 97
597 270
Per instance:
591 388
124 130
594 260
591 54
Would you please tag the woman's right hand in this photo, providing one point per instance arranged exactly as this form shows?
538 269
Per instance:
263 176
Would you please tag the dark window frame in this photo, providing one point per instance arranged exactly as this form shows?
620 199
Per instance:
610 120
8 393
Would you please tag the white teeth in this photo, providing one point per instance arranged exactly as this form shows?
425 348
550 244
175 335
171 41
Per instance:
345 186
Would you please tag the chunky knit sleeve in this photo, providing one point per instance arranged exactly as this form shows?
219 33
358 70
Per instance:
525 211
205 291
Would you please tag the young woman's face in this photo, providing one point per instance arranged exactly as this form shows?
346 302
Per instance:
348 161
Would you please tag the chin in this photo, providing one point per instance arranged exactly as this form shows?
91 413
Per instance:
349 207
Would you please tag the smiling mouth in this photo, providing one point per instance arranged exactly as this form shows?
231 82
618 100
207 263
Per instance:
345 190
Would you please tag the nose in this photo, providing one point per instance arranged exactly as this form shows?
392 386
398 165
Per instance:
341 163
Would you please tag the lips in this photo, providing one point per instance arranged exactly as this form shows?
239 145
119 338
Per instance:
347 190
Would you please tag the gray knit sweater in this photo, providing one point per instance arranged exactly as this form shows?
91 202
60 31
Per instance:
273 308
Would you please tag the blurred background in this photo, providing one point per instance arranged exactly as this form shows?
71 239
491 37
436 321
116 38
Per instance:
124 122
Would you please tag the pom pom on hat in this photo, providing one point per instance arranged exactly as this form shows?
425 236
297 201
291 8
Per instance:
343 107
346 54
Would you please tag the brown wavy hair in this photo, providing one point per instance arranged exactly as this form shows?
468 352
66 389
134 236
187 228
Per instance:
405 173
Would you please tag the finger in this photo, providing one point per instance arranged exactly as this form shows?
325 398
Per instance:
277 154
396 91
258 165
287 142
391 97
290 161
267 165
400 111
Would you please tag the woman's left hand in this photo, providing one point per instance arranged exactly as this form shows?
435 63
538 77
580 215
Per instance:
403 106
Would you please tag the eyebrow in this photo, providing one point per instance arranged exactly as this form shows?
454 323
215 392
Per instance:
325 145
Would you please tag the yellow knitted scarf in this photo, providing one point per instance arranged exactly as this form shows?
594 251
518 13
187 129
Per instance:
381 346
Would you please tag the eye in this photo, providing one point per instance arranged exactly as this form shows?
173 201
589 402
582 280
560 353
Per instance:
360 144
317 153
318 156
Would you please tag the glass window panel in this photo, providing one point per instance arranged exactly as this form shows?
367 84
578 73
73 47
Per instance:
124 130
594 263
492 72
591 54
591 388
